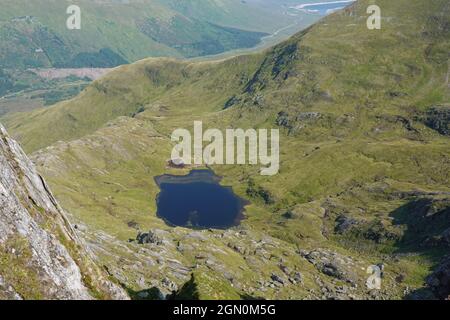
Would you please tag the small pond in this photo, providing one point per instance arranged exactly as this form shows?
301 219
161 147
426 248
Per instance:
198 201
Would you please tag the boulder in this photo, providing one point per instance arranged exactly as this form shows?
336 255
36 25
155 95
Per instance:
149 237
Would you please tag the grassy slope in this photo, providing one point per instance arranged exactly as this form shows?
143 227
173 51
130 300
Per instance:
103 27
121 28
353 160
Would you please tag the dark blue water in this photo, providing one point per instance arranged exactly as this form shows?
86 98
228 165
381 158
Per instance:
198 201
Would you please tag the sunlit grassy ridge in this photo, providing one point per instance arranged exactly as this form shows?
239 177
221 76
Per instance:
350 104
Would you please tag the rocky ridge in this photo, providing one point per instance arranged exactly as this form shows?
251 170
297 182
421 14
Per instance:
40 254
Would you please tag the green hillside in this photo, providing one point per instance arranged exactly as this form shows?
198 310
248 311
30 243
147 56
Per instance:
365 160
34 33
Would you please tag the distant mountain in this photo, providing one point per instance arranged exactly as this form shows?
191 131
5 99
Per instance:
364 175
34 34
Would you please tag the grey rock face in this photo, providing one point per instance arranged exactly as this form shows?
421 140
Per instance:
30 216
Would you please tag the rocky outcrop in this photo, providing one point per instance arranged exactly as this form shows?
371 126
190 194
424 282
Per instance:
40 254
438 118
150 237
332 264
439 280
294 123
344 223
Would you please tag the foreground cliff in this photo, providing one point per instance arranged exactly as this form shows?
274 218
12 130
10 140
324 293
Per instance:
40 256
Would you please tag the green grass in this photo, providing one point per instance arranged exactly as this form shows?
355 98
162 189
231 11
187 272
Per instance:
206 286
116 33
354 160
17 271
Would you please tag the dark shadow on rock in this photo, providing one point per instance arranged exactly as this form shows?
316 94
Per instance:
427 231
189 291
245 296
421 294
427 221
